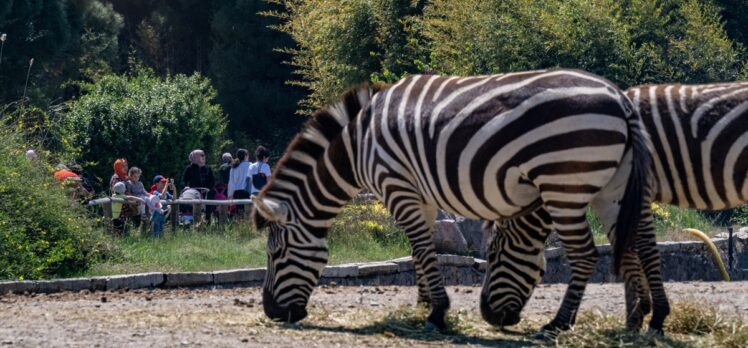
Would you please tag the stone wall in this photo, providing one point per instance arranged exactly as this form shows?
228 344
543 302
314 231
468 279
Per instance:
682 261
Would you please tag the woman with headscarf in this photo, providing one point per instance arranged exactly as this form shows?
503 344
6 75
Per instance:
199 176
120 174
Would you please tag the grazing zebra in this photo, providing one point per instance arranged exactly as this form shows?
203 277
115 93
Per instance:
485 147
699 151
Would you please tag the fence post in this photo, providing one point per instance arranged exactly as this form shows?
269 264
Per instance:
223 214
107 208
174 216
197 215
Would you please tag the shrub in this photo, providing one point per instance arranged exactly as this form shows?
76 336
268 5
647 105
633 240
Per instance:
153 122
42 233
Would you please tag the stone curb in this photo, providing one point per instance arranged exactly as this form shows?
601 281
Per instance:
185 279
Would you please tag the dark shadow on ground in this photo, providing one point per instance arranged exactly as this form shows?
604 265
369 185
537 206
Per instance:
409 325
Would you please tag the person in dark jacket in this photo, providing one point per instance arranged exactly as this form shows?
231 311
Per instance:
199 176
225 169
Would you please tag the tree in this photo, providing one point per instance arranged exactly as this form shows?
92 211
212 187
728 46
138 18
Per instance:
249 74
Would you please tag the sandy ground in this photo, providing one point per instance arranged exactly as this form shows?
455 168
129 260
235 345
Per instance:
339 316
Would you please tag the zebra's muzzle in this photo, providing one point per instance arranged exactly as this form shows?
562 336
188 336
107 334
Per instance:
510 315
291 314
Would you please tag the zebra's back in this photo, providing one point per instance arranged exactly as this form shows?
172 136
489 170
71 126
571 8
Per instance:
699 139
482 146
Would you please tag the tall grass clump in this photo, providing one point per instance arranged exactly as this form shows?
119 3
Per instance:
42 232
366 232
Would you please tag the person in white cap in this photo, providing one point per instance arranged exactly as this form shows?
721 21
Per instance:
31 155
118 219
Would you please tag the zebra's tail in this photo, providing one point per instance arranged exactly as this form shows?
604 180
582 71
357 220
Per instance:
628 217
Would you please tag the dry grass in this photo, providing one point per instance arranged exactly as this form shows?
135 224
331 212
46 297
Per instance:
689 325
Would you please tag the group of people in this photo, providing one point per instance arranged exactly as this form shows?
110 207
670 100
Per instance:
125 184
238 179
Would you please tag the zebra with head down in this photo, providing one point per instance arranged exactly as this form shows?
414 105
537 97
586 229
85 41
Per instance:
485 147
699 148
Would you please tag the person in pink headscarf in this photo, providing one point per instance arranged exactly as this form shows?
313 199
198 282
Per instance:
199 176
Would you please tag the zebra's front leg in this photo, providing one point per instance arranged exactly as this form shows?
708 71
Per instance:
424 298
580 250
418 221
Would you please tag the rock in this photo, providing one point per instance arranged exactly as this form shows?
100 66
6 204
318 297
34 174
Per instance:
449 239
474 236
443 215
553 240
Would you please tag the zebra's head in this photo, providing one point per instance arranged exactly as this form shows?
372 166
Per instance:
296 253
515 265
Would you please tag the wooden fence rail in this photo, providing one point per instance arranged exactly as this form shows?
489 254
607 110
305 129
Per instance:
106 204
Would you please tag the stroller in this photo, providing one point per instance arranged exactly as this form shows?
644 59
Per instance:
190 215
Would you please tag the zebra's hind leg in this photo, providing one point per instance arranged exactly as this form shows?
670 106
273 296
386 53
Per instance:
638 301
646 247
580 249
418 222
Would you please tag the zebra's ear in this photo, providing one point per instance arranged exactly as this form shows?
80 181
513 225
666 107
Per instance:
271 210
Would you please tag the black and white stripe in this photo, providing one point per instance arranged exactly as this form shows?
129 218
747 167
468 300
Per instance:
485 147
699 149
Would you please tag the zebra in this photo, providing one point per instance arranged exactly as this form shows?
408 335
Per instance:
485 147
698 138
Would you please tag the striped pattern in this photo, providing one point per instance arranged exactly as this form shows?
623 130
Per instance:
485 147
699 151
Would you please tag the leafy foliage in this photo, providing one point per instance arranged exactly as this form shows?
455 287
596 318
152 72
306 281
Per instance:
153 122
42 233
630 42
68 40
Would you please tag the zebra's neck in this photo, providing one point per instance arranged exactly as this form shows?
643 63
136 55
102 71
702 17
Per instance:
316 177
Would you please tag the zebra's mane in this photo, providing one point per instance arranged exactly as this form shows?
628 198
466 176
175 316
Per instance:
323 127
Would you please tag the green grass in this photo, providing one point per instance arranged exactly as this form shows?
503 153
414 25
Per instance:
669 223
361 233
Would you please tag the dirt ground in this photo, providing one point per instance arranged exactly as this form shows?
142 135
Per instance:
339 316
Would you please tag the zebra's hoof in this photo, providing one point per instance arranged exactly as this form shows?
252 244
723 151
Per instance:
542 337
652 332
429 327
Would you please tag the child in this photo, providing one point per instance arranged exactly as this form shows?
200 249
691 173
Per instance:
118 220
158 216
136 188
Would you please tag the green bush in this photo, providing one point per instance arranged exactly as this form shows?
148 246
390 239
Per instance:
42 232
153 122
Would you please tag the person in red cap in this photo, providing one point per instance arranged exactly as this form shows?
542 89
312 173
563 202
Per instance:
161 186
